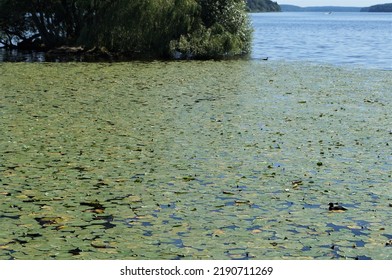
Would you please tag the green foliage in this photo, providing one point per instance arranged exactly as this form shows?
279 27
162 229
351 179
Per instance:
223 29
13 24
138 28
145 26
262 6
54 22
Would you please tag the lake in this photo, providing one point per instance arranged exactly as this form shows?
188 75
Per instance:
352 39
233 159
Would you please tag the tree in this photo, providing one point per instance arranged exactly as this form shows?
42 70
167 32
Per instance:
142 26
54 22
137 28
381 8
262 6
14 26
223 29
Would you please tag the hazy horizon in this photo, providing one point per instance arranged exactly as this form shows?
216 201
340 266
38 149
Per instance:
351 3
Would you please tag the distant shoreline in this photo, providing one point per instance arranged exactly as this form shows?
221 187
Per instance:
375 8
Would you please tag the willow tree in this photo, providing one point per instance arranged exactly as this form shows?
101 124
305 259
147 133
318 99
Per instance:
15 27
51 22
143 27
223 29
137 28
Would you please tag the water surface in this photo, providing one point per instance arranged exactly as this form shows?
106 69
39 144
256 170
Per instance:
350 39
194 160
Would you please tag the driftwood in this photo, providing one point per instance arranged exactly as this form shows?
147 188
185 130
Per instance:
65 50
66 53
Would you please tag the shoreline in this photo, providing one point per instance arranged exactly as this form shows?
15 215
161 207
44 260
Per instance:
41 57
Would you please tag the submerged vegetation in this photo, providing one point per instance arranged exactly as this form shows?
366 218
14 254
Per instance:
138 28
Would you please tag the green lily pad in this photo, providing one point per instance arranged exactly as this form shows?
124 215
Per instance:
194 160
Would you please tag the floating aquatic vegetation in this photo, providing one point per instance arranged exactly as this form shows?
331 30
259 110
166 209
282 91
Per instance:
194 160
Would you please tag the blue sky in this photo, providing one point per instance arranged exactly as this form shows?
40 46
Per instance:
354 3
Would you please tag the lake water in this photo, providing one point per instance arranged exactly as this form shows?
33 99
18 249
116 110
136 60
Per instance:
232 159
194 160
359 39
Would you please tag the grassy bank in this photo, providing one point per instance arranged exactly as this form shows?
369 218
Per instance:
194 160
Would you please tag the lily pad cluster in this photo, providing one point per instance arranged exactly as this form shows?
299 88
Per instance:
194 160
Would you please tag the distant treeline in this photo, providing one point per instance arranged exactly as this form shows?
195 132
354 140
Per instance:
382 8
293 8
376 8
137 28
256 6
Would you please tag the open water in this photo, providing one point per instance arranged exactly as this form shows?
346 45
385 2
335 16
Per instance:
350 39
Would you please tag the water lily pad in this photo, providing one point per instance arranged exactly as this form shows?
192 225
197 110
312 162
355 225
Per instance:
121 167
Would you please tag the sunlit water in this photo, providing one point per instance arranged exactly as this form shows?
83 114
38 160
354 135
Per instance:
358 39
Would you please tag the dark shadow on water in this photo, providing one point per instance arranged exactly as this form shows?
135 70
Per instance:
39 56
355 231
362 258
13 217
389 236
21 56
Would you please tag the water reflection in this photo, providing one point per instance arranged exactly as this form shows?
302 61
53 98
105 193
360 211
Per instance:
21 56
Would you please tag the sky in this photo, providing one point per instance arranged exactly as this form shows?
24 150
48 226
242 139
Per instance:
353 3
